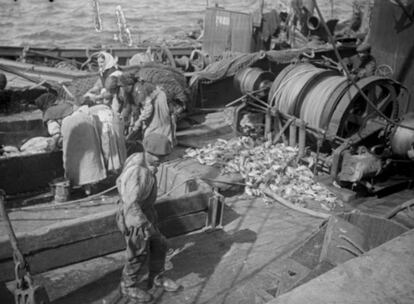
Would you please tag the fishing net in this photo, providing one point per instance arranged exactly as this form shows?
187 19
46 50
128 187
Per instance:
229 64
169 78
77 88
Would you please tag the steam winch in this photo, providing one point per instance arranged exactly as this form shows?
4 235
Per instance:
358 131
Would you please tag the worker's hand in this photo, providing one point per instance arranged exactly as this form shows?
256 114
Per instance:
137 125
136 242
134 220
126 130
149 230
132 129
91 96
174 117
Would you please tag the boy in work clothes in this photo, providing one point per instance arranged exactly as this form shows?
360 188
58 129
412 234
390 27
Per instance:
146 247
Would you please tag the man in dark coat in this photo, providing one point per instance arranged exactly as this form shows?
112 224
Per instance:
362 64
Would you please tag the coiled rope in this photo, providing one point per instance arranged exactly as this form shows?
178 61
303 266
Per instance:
286 96
317 99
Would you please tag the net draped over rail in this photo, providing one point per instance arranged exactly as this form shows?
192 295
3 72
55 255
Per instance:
77 87
230 63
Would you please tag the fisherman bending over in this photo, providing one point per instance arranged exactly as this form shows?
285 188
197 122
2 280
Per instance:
362 64
146 247
148 108
91 139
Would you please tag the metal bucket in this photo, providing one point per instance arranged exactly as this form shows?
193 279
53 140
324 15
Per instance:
60 188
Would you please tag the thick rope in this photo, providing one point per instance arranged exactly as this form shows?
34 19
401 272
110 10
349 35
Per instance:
316 100
286 96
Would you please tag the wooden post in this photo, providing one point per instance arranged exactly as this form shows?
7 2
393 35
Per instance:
302 139
268 126
293 135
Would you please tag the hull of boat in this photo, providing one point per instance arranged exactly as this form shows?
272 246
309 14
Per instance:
81 54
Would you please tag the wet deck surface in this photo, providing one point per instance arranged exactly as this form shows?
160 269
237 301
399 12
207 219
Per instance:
238 264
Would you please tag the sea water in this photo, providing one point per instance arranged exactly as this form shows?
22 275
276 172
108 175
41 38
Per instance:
70 23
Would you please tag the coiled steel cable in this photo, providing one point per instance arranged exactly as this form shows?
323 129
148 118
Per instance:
317 98
286 96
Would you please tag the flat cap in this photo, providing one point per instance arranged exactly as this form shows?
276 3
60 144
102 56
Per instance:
157 144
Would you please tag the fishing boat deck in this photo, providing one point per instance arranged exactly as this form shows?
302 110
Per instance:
242 263
45 214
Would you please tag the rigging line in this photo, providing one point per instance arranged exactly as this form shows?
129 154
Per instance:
285 81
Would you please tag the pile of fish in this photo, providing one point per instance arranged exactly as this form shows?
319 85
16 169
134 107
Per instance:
34 145
266 166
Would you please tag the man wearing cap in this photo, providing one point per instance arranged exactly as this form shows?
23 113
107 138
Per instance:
155 115
362 64
146 247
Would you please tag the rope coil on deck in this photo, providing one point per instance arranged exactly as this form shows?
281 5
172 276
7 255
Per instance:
317 99
287 94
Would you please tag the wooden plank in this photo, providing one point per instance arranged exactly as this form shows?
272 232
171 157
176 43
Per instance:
31 69
95 245
180 225
94 225
67 254
60 233
188 203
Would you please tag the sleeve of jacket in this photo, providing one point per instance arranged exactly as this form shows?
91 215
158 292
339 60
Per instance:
135 185
146 112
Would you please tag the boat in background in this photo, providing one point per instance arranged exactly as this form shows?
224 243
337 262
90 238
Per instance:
80 58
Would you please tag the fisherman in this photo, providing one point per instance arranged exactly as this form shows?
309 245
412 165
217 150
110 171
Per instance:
362 64
108 71
146 247
90 137
302 10
155 114
53 114
198 34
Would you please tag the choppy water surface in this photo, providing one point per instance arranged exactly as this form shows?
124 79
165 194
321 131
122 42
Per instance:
69 23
